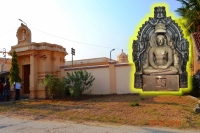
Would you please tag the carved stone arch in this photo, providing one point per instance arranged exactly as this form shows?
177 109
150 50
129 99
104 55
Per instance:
173 27
146 28
149 26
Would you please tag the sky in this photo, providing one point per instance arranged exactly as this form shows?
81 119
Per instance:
92 27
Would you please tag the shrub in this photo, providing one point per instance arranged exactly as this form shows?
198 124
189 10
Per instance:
77 82
54 86
141 98
135 103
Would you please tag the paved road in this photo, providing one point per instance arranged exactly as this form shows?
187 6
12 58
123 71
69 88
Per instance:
16 125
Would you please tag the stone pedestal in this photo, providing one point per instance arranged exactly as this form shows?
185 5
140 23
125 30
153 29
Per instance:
160 82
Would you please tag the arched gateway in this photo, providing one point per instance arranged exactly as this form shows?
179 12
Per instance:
35 61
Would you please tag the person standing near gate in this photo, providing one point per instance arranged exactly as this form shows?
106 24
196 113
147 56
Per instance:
1 91
7 90
17 90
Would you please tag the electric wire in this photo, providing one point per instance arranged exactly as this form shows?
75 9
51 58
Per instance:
75 41
7 32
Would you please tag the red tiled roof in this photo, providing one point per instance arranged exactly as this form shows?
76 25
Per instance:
196 37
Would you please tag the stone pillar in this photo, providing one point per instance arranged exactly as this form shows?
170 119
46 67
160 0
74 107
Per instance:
45 67
112 77
20 75
33 77
59 74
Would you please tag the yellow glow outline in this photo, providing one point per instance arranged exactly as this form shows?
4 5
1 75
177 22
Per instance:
134 37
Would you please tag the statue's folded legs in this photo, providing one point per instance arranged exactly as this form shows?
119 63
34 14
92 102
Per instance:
152 71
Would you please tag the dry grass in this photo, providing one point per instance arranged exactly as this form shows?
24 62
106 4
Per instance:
164 111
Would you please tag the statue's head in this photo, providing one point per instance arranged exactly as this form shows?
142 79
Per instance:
160 40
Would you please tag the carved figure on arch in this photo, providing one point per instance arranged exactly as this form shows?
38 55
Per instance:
23 34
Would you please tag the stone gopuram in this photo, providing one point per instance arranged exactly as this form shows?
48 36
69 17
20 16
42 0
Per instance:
122 57
160 54
35 61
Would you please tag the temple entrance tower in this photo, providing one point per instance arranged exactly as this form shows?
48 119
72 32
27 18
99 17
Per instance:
35 61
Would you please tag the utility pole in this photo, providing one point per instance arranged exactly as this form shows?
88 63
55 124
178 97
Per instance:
4 53
110 54
73 53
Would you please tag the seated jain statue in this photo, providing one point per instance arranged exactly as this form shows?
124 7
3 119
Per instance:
160 58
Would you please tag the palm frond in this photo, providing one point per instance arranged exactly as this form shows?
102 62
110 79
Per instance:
190 11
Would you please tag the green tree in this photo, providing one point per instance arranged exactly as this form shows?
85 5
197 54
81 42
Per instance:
78 81
14 71
55 86
190 11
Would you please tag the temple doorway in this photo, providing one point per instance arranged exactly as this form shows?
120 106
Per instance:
26 79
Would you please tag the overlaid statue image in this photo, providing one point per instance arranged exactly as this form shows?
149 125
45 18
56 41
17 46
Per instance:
160 54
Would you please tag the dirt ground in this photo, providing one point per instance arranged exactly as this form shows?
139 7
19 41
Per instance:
16 125
161 111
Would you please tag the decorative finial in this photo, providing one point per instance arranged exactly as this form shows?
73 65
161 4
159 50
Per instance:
159 12
160 27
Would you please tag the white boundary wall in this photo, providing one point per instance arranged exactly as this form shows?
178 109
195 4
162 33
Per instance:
102 74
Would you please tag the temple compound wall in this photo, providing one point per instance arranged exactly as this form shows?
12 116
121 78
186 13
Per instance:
5 65
112 78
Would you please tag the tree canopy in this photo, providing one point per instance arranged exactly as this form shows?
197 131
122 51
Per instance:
14 71
190 11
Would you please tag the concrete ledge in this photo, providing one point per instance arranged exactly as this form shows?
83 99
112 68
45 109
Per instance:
86 67
123 64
